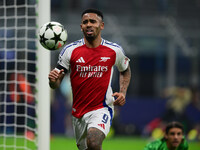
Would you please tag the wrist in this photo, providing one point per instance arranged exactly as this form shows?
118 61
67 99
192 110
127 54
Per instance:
123 92
53 85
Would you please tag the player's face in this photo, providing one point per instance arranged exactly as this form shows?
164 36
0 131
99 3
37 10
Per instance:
91 25
174 137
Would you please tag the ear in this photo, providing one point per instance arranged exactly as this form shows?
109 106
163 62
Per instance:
81 27
102 25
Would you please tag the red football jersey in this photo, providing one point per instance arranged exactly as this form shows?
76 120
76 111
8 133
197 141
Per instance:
91 72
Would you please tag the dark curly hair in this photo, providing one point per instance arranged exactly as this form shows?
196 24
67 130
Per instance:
174 124
91 10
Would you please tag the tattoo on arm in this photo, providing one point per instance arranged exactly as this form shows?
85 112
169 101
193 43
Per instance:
125 80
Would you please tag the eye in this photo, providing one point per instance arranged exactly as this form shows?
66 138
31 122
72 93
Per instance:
179 133
172 133
85 22
93 21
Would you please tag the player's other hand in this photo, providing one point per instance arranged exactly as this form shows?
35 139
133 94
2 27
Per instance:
120 99
55 74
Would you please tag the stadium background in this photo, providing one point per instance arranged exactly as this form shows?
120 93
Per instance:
161 37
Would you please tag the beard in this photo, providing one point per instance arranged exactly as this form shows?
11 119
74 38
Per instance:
91 37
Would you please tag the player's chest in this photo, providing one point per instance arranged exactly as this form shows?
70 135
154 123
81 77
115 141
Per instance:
93 57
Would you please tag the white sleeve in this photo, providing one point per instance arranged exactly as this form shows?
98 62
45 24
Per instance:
64 57
122 61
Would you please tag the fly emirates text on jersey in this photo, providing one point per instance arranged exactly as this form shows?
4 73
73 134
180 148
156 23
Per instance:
91 71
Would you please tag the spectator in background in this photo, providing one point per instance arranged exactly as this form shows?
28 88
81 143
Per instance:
194 133
172 140
195 97
22 94
178 100
19 94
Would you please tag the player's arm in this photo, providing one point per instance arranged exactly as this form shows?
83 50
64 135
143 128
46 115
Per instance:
55 78
125 77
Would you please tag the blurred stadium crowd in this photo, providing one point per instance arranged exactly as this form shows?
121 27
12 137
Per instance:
161 37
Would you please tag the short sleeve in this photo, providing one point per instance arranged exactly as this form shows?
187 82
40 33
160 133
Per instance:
122 61
64 57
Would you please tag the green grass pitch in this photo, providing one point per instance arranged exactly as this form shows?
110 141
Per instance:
115 143
64 143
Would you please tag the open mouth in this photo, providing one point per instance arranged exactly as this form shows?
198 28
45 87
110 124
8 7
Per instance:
89 31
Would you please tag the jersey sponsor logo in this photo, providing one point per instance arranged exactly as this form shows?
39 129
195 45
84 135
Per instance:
90 68
80 60
91 71
104 59
102 125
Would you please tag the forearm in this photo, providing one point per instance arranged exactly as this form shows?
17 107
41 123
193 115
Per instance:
125 80
55 84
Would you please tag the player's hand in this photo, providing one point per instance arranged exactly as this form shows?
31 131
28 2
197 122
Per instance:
55 74
120 99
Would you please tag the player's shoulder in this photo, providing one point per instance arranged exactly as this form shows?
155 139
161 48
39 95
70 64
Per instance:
110 44
154 145
183 145
72 46
113 45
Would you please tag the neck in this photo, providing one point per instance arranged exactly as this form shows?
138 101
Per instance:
93 43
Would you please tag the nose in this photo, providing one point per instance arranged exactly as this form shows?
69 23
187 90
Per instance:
175 136
89 23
